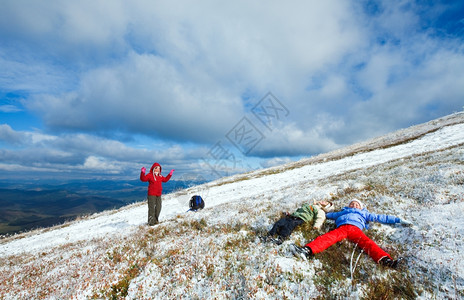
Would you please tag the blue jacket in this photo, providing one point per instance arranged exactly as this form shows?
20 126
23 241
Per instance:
359 218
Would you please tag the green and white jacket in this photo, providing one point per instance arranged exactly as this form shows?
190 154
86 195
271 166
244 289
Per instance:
314 212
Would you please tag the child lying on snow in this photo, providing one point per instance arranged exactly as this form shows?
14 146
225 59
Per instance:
350 222
307 213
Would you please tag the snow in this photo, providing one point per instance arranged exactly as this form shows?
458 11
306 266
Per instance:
436 237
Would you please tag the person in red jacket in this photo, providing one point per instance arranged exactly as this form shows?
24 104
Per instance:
155 189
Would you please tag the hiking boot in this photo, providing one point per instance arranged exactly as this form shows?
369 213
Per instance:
388 262
303 252
277 241
271 239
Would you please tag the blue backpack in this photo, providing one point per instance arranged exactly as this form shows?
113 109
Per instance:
196 203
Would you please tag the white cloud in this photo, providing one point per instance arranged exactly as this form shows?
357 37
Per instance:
8 108
99 164
82 154
429 89
24 138
292 141
198 61
147 95
276 161
7 134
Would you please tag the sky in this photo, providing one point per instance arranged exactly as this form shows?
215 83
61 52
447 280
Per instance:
98 89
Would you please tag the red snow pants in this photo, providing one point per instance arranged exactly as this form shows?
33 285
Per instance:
351 233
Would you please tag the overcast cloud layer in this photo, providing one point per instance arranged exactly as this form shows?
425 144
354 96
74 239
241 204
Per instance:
105 87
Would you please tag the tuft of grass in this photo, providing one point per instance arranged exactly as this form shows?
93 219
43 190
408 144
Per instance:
121 288
194 225
395 286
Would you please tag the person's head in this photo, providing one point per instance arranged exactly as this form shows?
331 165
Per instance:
156 168
326 206
356 203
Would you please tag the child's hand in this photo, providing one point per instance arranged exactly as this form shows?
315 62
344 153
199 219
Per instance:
143 170
172 171
405 223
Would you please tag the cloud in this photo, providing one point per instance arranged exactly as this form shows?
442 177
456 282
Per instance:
403 75
290 140
98 164
408 92
9 135
83 154
145 95
23 74
185 81
276 161
9 108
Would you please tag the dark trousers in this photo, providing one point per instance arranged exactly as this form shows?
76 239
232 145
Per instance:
285 226
154 209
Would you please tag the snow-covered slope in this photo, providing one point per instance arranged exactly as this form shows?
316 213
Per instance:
416 173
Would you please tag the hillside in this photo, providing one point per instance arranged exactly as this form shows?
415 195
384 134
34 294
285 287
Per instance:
416 174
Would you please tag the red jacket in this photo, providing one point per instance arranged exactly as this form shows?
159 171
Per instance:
154 182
